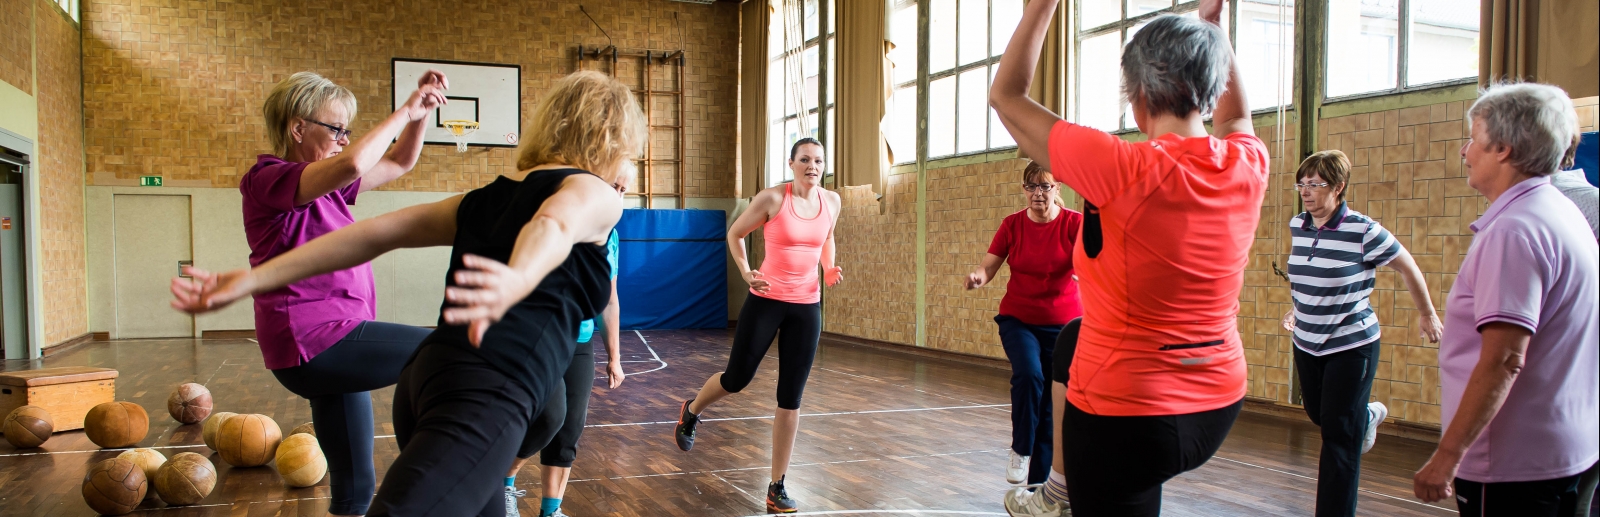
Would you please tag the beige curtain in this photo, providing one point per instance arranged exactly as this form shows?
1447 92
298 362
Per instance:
1050 79
1549 41
755 23
861 155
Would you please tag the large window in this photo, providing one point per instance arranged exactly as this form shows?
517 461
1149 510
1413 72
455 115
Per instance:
794 82
1263 44
966 38
1384 46
902 127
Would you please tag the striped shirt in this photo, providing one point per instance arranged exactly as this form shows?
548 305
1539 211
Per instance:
1331 271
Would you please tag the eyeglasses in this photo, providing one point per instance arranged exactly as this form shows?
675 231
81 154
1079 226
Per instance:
1308 186
620 188
339 133
1038 187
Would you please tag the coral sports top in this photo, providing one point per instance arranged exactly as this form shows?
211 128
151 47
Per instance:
793 250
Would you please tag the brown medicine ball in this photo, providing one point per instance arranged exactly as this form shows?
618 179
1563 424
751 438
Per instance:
116 424
248 440
186 479
114 486
189 403
306 428
28 426
148 460
300 460
208 432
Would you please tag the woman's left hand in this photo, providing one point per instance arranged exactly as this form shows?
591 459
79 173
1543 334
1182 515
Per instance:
832 276
1434 481
614 373
433 77
485 289
1432 329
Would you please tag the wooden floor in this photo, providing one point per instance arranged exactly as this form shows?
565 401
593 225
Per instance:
883 433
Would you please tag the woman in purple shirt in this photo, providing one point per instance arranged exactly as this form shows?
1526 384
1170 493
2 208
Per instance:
1518 369
317 335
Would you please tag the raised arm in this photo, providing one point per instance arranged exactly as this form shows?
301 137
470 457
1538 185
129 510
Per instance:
369 158
432 224
1028 122
753 217
1233 110
583 210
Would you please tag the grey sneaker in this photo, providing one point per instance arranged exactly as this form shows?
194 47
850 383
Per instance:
684 432
1021 502
512 495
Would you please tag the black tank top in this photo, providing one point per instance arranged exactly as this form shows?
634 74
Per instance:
535 340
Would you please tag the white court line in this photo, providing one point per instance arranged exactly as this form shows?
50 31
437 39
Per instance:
42 453
796 465
228 504
918 390
840 413
1302 476
652 355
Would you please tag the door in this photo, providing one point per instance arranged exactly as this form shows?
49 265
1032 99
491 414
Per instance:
13 271
150 239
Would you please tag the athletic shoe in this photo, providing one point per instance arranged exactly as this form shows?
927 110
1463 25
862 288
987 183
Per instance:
685 430
1021 502
1017 471
778 500
512 494
558 513
1376 412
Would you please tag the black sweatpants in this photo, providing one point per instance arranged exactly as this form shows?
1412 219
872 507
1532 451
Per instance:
797 327
554 433
1335 389
1548 498
336 382
1115 465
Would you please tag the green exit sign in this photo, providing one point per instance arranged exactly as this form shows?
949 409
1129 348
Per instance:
149 181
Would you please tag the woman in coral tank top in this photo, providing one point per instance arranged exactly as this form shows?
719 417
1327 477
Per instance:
797 221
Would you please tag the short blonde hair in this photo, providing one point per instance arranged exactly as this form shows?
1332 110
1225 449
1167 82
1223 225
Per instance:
1331 165
588 120
301 96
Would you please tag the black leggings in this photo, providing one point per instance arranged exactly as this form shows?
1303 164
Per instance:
336 382
1115 465
1548 498
759 321
458 421
554 433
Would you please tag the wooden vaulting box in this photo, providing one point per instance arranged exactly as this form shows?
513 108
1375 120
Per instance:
68 393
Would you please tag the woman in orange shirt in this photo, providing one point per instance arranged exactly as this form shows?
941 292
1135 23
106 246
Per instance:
1157 376
798 220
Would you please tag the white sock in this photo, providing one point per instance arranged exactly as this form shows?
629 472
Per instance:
1058 477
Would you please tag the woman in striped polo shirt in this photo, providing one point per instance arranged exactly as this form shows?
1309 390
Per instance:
1332 268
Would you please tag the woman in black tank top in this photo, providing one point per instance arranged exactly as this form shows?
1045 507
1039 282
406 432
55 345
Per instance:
464 400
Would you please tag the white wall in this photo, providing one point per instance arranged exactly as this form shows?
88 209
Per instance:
410 283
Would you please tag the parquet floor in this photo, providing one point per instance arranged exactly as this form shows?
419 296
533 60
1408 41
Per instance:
883 433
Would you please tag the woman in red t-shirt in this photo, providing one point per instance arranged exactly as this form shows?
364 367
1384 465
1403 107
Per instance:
1040 297
1157 375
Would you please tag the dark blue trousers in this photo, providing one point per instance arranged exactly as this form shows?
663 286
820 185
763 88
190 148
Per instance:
1030 349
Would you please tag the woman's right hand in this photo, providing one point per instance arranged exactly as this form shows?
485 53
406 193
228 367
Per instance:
206 291
753 277
427 98
977 278
1288 320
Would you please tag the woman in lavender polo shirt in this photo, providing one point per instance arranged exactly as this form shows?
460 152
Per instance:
1518 363
317 335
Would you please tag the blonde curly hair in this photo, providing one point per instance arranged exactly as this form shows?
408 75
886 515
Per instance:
588 120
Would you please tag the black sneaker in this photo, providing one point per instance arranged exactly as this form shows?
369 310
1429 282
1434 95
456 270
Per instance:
778 500
685 431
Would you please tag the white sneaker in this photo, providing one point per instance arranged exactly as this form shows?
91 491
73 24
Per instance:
1020 502
1376 412
512 494
1017 471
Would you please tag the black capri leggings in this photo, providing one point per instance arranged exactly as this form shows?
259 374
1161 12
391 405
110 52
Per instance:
1115 465
797 327
336 382
554 433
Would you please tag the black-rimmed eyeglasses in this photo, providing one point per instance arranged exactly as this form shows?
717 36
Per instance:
339 133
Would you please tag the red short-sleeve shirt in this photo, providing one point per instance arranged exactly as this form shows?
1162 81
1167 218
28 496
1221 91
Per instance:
1161 299
1041 290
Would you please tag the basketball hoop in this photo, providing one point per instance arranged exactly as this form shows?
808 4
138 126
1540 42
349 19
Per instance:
459 129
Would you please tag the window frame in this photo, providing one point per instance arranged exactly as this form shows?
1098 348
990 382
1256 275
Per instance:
825 41
1402 60
926 77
